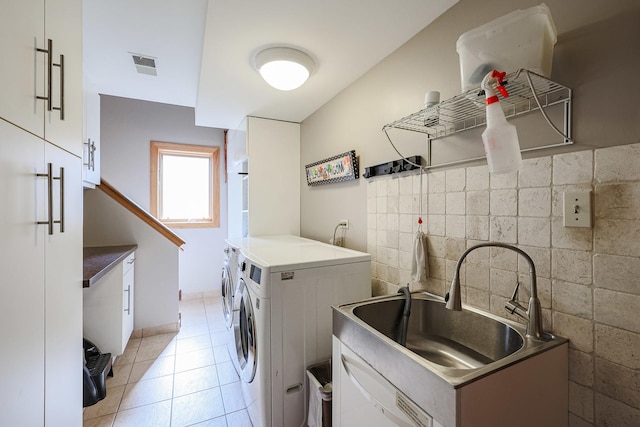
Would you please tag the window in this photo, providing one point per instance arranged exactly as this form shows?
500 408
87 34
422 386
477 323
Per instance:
185 185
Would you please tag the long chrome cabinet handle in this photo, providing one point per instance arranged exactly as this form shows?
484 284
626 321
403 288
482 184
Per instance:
61 220
91 154
50 65
49 176
128 291
88 163
49 52
50 221
61 107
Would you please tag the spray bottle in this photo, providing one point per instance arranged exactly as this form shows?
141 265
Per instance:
500 138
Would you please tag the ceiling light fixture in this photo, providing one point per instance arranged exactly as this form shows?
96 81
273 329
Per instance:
284 68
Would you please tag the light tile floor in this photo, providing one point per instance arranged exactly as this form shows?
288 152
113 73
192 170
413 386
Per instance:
175 380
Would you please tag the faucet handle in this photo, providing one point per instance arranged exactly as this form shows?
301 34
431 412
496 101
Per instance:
515 292
513 306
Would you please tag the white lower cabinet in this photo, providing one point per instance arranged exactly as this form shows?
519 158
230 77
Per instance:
361 396
108 308
22 306
40 282
127 298
63 296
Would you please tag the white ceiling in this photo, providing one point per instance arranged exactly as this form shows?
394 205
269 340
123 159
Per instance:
204 50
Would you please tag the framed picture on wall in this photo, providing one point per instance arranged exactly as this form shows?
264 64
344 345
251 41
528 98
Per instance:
343 167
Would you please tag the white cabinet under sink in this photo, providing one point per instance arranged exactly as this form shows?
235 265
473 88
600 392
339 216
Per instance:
108 308
362 396
531 393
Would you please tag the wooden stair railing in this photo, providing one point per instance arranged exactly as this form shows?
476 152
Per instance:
145 216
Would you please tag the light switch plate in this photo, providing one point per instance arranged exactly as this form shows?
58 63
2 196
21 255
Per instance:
577 209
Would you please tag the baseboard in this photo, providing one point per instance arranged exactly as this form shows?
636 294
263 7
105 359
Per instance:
168 328
200 295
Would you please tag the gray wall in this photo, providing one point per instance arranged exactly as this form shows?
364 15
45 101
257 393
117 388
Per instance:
590 276
107 223
127 127
597 55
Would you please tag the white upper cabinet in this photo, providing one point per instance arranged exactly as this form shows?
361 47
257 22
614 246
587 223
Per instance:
273 150
41 81
22 74
264 198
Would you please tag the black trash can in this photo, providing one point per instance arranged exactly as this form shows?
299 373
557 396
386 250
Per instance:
320 392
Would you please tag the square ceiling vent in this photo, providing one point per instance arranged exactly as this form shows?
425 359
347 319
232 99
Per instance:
145 64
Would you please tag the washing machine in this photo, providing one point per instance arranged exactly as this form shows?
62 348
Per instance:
285 293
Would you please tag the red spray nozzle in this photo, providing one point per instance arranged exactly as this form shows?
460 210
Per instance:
499 76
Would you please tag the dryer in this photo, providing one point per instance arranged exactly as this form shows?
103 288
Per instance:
285 293
233 260
229 279
229 284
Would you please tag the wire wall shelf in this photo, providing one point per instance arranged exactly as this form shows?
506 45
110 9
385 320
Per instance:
467 110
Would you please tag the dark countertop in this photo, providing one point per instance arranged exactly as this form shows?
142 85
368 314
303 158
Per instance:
99 260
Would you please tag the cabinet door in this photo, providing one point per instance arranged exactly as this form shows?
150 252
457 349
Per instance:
22 73
21 278
127 299
102 317
63 25
271 142
91 141
63 294
365 397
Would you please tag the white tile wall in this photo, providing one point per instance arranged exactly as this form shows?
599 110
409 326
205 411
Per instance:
588 279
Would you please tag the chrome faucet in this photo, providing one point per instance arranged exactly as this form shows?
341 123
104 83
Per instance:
532 315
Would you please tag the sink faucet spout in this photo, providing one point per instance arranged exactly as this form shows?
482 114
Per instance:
406 312
532 314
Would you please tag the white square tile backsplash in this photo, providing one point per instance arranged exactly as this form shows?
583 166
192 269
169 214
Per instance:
588 279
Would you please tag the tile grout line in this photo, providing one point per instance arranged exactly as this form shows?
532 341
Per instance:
209 314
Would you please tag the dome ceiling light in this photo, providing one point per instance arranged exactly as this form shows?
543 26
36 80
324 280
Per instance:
284 68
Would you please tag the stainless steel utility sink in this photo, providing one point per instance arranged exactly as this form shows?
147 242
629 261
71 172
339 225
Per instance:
462 368
457 346
456 339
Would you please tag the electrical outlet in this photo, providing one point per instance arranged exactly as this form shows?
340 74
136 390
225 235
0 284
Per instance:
344 223
577 209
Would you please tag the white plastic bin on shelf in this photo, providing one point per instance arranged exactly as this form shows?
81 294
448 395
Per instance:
520 39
